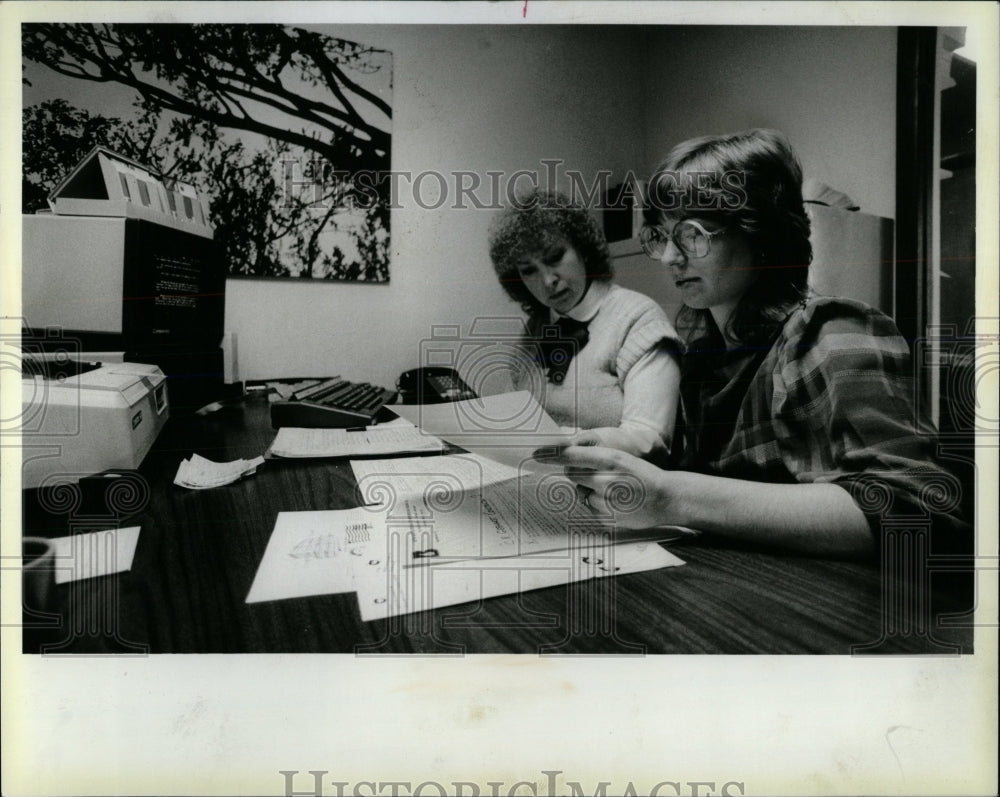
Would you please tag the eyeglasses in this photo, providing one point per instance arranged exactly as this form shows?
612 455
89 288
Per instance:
688 236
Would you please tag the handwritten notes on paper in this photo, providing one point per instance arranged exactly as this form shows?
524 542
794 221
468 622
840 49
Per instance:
315 553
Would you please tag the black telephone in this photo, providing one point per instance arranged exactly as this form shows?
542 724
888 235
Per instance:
432 385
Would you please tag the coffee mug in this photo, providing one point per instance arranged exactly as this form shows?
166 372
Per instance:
38 575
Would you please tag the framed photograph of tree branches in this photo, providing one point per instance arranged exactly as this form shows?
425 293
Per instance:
287 131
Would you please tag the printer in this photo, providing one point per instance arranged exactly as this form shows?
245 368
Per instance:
125 260
81 418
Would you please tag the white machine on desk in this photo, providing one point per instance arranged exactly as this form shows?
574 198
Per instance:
124 259
78 419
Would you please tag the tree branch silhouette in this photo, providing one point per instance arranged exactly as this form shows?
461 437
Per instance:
203 79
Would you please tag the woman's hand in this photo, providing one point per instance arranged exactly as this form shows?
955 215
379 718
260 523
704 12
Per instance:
635 492
810 518
586 437
639 441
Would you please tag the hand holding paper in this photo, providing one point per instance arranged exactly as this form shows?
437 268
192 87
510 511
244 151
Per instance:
637 493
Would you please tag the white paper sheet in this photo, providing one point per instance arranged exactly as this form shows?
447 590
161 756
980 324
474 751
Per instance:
98 553
386 588
373 441
506 428
199 473
314 553
396 423
382 480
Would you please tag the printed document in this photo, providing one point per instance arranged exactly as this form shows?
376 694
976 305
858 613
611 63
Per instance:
532 514
372 441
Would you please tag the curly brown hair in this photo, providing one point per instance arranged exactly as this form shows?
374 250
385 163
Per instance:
529 225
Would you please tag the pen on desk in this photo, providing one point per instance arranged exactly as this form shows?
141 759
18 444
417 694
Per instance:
356 429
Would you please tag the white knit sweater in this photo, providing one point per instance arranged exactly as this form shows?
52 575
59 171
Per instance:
627 328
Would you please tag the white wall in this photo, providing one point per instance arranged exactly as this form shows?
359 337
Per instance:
505 98
831 90
465 98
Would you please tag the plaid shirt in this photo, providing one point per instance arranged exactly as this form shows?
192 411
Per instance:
830 400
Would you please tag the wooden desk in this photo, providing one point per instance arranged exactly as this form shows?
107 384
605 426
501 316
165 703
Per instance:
198 553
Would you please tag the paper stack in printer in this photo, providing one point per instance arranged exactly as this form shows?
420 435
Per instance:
198 473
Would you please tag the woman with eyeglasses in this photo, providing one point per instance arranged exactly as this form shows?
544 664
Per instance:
595 355
797 411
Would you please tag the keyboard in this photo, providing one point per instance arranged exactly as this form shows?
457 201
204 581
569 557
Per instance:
333 403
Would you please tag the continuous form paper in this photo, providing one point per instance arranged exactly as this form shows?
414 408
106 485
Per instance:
387 588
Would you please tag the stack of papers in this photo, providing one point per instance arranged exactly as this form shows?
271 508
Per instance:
437 531
361 551
198 473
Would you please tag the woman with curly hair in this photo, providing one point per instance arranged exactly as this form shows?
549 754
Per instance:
799 422
596 356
